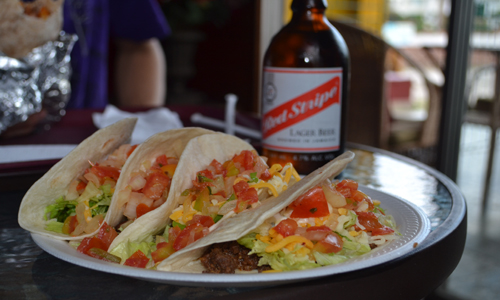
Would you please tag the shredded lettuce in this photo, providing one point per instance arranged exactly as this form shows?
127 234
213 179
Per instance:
99 201
248 240
286 260
60 210
54 226
326 259
278 260
125 249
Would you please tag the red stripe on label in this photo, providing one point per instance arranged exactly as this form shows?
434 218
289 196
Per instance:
323 149
316 71
301 107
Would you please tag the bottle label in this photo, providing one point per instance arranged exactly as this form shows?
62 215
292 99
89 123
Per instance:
301 109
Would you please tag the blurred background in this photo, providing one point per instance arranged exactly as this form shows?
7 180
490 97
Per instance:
216 47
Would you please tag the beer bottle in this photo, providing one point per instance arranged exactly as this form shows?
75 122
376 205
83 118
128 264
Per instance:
304 94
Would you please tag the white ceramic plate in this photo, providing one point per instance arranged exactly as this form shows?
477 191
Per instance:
411 222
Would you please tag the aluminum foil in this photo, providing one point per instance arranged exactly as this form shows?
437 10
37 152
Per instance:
39 80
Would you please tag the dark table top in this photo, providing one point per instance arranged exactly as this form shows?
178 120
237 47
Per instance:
26 271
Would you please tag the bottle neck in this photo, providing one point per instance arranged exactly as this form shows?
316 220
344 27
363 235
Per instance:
308 9
298 5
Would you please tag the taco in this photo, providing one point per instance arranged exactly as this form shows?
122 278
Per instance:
218 176
25 25
55 196
244 223
143 190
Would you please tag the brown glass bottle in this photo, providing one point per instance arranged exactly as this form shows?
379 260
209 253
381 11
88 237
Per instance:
305 87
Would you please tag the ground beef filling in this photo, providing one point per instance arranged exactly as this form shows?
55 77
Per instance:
227 257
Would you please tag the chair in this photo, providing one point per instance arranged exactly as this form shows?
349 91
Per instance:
369 121
485 112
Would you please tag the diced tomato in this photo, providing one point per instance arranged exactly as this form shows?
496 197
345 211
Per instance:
203 179
382 231
369 220
265 175
81 186
137 260
156 183
161 161
286 227
69 224
245 159
163 250
107 234
173 233
245 194
188 235
142 209
131 150
240 187
206 173
206 221
359 196
346 192
317 233
310 205
105 171
347 187
219 169
332 243
89 243
348 183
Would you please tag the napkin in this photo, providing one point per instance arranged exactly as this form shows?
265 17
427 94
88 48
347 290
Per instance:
148 123
21 153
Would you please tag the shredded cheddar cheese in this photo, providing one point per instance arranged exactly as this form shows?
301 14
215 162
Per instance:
267 185
288 174
303 251
353 233
275 168
176 215
265 239
342 211
291 246
87 214
320 221
288 240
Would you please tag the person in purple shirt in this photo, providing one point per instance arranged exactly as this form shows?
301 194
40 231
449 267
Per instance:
135 69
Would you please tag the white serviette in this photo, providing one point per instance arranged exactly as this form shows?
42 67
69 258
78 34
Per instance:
148 123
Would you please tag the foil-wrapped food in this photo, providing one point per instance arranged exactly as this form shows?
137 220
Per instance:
35 65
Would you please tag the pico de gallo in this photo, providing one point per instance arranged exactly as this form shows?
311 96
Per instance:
327 225
86 202
218 192
147 189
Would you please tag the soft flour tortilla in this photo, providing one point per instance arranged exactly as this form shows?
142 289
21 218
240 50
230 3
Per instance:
197 156
186 260
56 181
20 33
171 143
